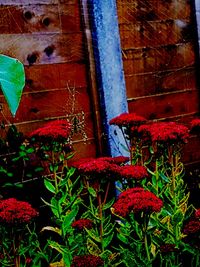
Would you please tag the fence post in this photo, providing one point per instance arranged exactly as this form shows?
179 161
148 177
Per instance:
109 68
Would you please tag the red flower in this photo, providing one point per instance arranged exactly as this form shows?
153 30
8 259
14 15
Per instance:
197 214
98 166
127 119
137 200
54 130
81 224
13 211
166 248
195 126
87 261
116 160
133 172
192 227
170 132
79 162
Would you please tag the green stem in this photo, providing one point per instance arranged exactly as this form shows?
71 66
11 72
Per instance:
157 177
54 171
146 220
101 221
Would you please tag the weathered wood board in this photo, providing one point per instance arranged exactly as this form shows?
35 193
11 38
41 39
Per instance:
158 40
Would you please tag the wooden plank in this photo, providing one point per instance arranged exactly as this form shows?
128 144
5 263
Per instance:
183 118
150 34
151 10
165 105
39 2
160 82
133 11
43 48
29 18
53 76
22 2
191 151
139 60
40 18
47 104
85 149
158 58
178 9
70 16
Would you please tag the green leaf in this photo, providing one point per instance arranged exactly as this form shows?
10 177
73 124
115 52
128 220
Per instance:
12 81
108 204
51 228
164 177
56 207
69 218
189 212
92 234
93 248
108 239
123 238
92 191
71 171
47 203
48 184
177 217
151 150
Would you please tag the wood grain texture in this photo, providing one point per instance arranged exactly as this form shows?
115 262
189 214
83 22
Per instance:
40 18
191 151
150 34
38 2
54 76
31 48
159 57
49 103
151 10
160 82
152 59
165 105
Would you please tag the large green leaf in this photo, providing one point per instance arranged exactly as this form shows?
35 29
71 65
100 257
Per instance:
12 81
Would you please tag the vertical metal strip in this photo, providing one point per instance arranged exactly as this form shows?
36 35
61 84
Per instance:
103 27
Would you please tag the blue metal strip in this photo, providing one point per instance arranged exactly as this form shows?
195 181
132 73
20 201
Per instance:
109 68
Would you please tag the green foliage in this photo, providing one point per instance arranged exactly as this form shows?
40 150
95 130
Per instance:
135 240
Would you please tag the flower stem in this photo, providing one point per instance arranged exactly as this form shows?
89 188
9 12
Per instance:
101 221
146 220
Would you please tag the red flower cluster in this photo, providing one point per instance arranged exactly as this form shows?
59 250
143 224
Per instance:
87 261
127 119
81 224
116 160
133 172
170 132
166 248
13 211
79 162
98 166
113 160
192 227
137 200
195 126
58 130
